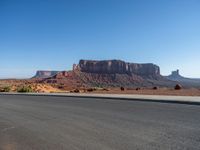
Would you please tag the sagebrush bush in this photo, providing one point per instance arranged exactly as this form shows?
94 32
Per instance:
25 89
6 89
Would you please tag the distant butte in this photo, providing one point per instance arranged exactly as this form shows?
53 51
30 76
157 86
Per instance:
188 82
45 74
110 73
119 67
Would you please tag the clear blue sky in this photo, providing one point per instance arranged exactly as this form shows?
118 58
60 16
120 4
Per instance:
54 34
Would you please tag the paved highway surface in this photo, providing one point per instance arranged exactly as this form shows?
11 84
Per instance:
56 123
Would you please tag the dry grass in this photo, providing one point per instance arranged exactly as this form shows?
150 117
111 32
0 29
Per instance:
51 88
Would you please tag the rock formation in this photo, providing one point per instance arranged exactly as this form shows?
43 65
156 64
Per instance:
175 76
45 74
113 73
186 82
119 67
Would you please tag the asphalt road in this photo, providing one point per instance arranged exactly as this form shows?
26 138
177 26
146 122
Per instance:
56 123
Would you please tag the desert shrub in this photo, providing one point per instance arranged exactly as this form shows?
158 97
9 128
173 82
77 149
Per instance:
137 89
155 88
75 91
60 87
6 89
178 87
90 90
105 89
122 88
25 89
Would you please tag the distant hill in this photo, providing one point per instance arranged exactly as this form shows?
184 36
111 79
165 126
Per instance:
45 74
175 76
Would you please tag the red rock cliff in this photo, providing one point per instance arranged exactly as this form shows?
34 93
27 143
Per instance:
118 67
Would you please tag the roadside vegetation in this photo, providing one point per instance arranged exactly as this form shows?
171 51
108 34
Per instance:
25 89
5 89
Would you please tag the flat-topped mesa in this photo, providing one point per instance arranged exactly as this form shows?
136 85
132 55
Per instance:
118 67
45 74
